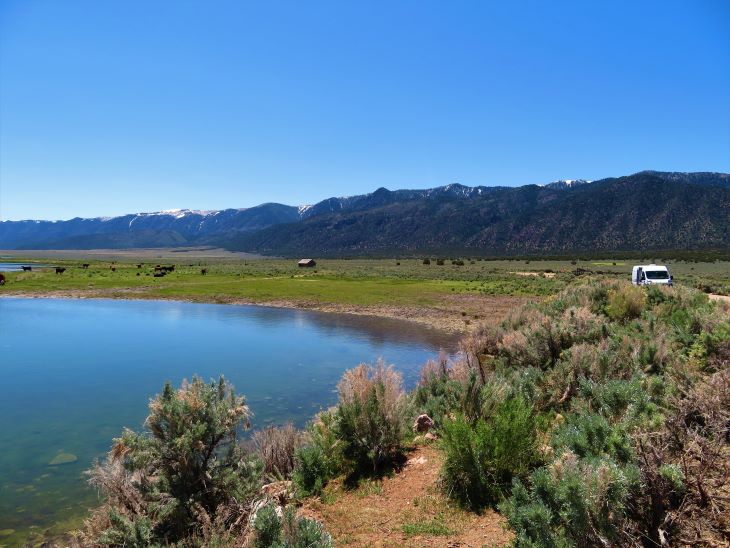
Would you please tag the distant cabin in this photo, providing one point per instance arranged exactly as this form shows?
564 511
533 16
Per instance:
306 263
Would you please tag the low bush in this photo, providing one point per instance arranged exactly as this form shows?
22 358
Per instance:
319 459
437 396
572 502
371 418
185 478
589 435
288 531
482 458
625 303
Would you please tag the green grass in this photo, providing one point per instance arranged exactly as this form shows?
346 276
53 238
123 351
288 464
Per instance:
350 282
434 527
369 487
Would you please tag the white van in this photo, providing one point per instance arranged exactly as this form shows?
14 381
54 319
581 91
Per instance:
648 274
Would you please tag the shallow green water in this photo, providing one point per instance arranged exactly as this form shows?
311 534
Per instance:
74 372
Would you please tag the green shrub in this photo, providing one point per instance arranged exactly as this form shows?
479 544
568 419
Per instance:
481 459
589 435
436 396
538 343
572 502
371 418
319 460
132 531
185 472
267 527
622 399
674 476
288 531
625 303
311 472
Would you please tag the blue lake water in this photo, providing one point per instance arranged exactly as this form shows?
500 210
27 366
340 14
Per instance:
14 267
75 372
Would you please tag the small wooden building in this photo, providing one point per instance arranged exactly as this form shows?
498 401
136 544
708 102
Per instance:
304 263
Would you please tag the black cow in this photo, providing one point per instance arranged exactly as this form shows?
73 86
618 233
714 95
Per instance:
203 271
2 278
26 268
60 270
85 265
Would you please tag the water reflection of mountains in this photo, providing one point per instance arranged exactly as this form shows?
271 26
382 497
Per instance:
374 329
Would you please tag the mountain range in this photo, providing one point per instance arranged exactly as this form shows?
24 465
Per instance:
647 210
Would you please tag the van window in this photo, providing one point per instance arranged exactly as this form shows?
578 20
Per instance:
657 274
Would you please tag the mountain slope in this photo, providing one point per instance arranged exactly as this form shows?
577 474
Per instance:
163 229
648 210
642 211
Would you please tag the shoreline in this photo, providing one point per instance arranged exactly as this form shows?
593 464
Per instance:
450 322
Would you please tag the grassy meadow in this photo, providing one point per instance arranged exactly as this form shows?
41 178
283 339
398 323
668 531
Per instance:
362 282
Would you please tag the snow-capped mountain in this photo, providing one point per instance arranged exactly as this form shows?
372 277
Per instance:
567 183
229 227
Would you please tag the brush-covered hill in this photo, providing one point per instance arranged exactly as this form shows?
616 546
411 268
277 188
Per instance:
172 228
643 211
648 210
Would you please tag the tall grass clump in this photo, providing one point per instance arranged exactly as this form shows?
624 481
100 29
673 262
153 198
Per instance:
276 447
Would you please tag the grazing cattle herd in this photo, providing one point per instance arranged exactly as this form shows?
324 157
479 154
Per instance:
159 270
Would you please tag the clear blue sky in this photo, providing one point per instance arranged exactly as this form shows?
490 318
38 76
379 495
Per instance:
110 107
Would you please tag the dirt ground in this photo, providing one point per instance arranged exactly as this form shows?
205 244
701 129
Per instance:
406 509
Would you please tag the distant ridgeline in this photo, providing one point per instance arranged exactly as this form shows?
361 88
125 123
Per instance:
646 211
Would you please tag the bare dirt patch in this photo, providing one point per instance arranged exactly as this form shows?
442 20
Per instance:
406 509
535 274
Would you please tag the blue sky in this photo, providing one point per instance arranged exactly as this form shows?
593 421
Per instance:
123 106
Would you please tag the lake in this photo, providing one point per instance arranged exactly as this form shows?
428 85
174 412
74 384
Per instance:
75 372
15 267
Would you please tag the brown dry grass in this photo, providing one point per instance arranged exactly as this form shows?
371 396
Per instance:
276 447
374 514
